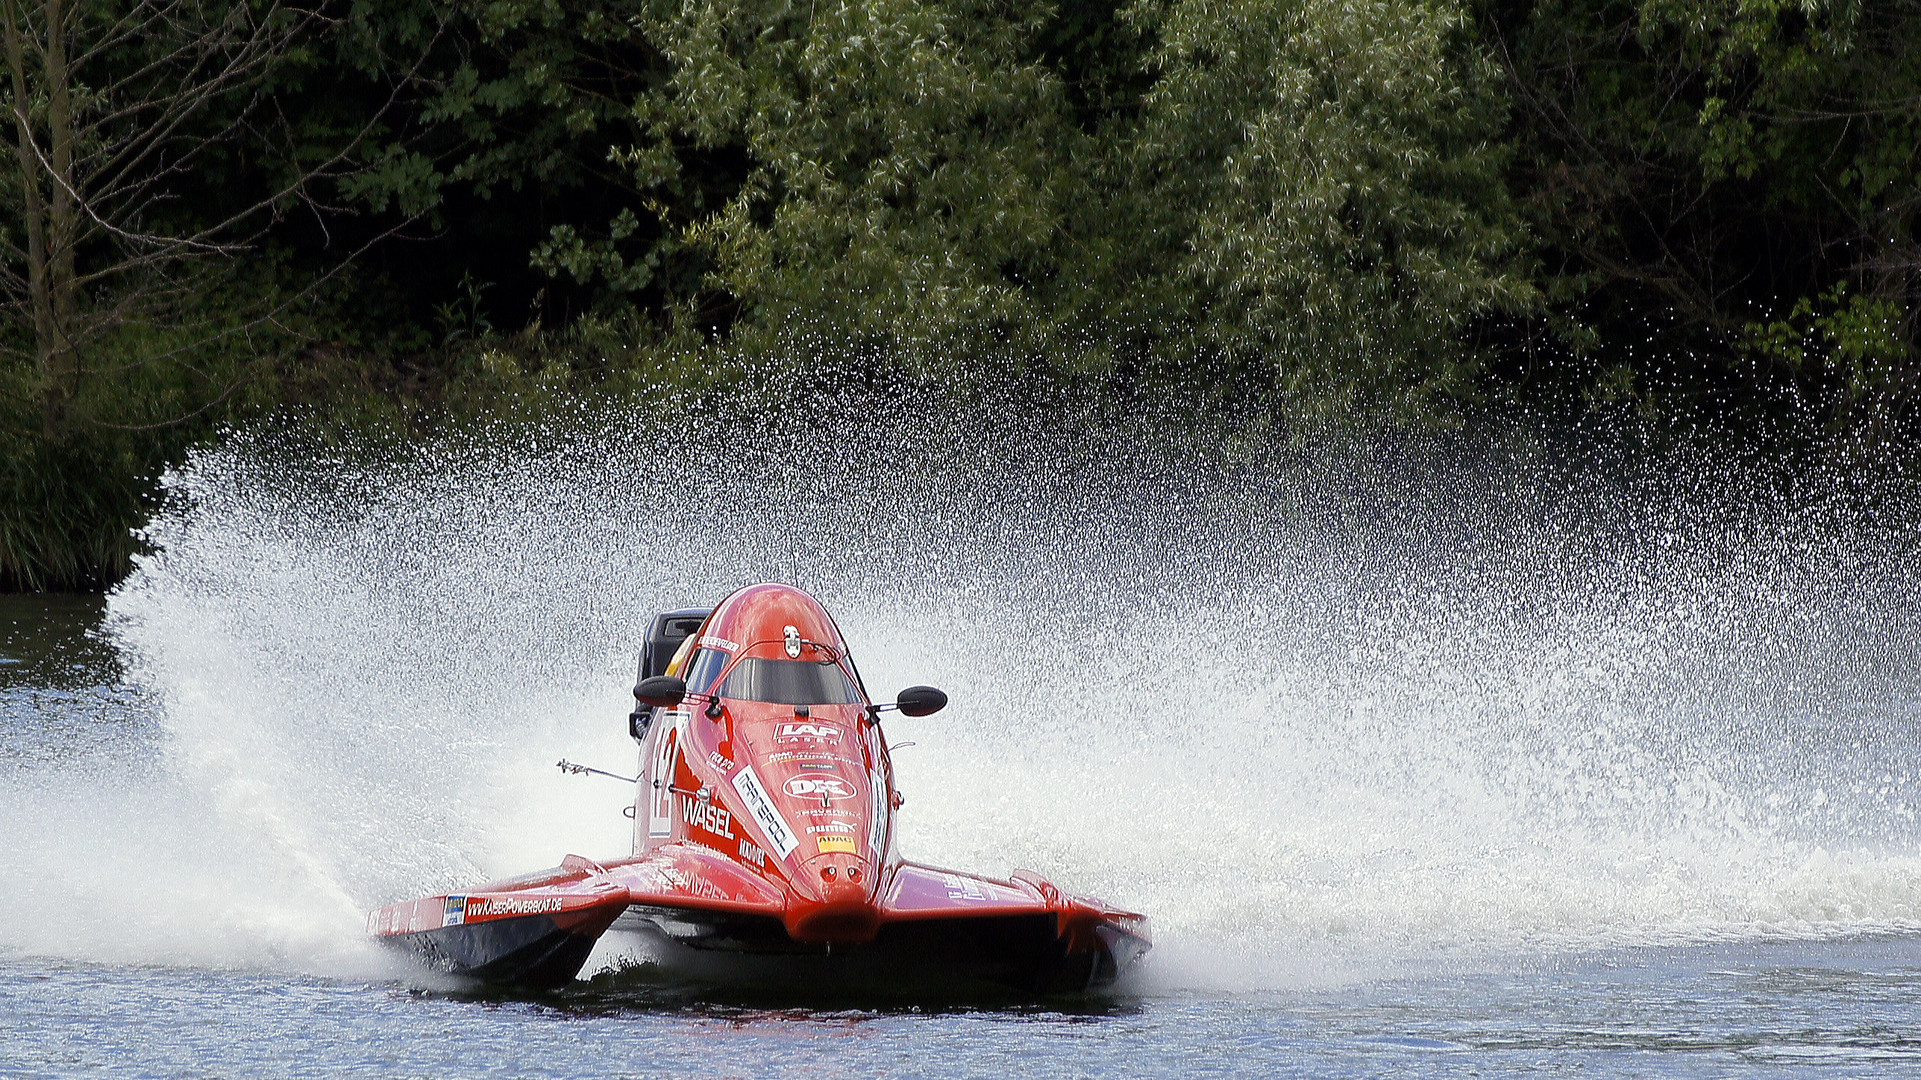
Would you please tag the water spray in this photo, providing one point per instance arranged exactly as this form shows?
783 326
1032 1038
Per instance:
1411 698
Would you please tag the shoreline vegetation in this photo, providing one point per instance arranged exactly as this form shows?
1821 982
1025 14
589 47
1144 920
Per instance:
1408 213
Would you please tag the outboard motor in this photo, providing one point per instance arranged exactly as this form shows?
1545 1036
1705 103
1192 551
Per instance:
669 629
664 636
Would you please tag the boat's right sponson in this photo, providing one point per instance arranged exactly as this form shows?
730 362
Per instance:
1025 952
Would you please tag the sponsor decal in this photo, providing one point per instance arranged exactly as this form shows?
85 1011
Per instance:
818 765
832 826
513 905
761 807
751 853
708 815
827 811
456 911
725 763
713 642
821 754
877 808
842 844
960 888
825 787
806 731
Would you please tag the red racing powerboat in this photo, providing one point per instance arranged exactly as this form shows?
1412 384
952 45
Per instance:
764 826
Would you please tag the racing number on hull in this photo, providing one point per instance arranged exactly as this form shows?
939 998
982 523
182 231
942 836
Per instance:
660 774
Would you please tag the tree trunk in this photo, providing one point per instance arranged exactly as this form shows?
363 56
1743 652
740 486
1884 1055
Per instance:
62 370
53 354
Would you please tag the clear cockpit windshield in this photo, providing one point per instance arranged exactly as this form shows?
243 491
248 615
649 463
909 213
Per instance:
790 682
704 668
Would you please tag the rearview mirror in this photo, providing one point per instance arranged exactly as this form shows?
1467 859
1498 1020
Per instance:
920 701
663 691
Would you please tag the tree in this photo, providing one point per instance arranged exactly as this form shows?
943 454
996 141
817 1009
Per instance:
1820 103
1730 189
1306 190
158 149
1331 178
122 113
901 161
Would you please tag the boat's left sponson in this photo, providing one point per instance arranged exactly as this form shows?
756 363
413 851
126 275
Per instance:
536 937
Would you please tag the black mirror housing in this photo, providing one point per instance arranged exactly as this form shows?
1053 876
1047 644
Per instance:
661 691
920 701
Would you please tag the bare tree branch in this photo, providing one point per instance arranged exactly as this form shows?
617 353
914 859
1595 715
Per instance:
101 161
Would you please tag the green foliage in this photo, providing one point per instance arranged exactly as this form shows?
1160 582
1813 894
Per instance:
1700 163
1291 208
68 510
1823 101
1308 190
69 506
565 251
1332 175
902 160
1857 339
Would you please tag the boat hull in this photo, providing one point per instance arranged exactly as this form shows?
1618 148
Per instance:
934 927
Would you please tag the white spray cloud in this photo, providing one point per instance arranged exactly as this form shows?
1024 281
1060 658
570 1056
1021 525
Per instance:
1310 700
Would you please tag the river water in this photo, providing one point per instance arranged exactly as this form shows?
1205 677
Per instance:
1425 758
